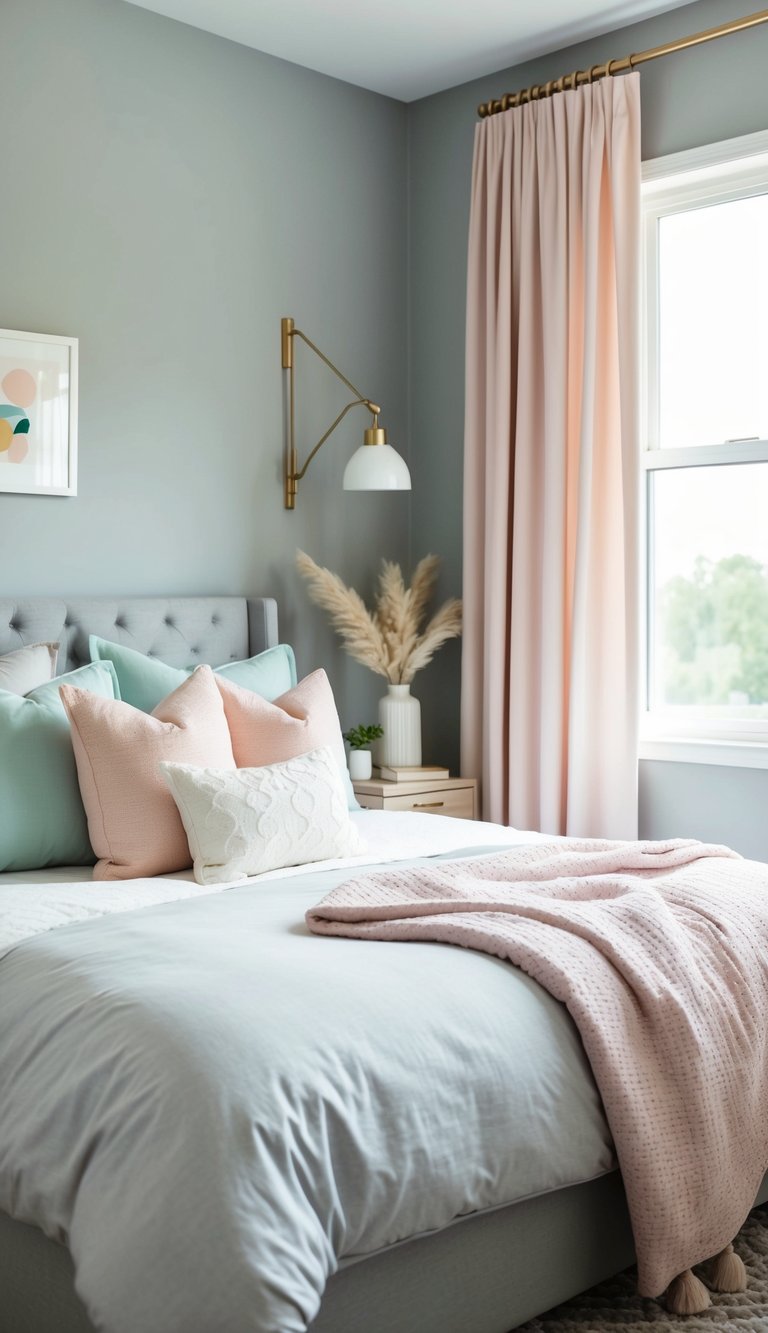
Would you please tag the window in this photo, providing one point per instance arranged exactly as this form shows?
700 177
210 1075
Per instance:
706 454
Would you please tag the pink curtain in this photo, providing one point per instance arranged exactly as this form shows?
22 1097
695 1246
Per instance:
551 478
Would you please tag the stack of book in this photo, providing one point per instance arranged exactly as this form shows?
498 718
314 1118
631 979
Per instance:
410 772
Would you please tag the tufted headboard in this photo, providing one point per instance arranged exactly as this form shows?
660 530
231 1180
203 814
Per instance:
181 631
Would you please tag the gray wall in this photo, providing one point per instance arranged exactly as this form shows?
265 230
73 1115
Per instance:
167 196
700 96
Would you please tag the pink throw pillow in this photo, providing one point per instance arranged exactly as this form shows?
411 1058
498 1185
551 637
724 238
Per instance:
301 720
133 822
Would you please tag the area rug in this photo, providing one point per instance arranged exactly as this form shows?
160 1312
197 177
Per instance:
615 1307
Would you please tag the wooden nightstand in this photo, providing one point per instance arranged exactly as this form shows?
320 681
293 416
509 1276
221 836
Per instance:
437 796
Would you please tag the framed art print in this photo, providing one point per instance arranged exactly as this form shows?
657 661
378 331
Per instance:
38 413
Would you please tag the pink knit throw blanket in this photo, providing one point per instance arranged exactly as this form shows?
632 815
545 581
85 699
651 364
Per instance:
659 950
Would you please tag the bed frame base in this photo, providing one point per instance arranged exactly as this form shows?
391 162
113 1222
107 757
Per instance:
487 1273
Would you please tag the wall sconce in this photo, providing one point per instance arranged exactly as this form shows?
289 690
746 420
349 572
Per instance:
375 466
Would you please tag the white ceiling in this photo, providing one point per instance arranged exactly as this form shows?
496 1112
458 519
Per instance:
408 48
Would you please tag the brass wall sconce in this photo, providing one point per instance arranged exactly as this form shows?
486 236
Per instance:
375 466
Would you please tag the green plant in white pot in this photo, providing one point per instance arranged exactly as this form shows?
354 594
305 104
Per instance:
360 740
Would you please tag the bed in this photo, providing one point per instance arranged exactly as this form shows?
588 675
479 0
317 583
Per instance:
521 1206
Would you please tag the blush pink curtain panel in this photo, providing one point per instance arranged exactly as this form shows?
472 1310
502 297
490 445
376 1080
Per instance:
551 477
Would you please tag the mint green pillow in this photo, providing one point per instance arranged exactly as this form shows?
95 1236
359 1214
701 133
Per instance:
144 681
42 820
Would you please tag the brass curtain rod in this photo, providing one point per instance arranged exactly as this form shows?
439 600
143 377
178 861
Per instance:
616 66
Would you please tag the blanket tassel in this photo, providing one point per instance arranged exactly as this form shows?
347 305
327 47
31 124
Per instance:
726 1272
687 1295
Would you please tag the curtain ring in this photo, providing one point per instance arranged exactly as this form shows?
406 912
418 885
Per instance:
505 102
632 60
535 92
574 79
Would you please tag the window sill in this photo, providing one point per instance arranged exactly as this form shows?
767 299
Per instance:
685 750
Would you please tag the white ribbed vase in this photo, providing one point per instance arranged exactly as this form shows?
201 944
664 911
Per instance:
400 716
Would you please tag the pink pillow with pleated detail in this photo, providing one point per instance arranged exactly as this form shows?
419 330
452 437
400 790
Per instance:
301 720
133 822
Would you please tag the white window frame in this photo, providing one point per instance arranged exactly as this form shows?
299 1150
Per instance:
716 173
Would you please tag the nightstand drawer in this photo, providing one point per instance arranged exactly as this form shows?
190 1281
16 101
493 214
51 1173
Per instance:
459 802
456 797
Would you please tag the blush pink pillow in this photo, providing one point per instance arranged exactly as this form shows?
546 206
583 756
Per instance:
301 720
133 822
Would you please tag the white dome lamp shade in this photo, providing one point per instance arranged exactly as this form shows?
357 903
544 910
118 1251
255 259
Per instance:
376 466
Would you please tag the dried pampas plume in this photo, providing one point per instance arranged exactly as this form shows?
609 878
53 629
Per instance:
389 640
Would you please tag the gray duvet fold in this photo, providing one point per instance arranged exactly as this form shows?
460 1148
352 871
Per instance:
213 1108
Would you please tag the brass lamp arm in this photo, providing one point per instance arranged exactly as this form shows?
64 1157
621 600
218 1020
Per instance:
358 402
297 333
293 474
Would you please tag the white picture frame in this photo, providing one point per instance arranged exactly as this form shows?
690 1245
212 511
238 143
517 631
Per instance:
38 413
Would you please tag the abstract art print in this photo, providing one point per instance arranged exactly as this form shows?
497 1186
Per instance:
38 413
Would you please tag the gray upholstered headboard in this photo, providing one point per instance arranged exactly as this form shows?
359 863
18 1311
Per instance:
181 631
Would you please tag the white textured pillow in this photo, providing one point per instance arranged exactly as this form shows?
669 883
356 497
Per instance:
24 669
248 820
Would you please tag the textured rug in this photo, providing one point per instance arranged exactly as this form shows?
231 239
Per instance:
615 1307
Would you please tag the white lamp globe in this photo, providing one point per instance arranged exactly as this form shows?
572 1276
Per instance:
376 467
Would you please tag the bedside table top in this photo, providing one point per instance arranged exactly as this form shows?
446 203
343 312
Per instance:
380 787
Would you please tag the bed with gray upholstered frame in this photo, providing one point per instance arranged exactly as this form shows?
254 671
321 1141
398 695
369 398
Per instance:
483 1274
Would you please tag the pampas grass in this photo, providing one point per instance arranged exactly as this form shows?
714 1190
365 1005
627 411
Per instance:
390 639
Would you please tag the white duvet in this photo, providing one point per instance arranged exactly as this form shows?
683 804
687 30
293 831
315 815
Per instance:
33 901
215 1109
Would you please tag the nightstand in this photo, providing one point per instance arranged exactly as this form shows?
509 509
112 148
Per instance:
437 796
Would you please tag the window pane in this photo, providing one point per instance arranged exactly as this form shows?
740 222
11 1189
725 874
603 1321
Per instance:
713 323
709 590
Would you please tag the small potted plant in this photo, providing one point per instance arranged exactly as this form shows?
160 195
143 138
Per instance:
360 739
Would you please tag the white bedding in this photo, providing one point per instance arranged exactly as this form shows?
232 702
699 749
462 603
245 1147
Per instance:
33 901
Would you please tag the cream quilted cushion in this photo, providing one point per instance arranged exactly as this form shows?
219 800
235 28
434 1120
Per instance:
250 820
